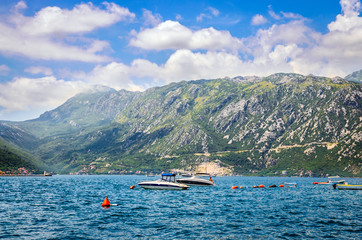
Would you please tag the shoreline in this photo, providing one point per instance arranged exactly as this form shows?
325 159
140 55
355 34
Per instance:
30 175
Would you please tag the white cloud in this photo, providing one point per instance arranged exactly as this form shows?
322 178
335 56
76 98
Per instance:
338 52
350 8
82 18
115 75
201 17
273 14
39 70
24 94
349 18
18 43
4 69
173 35
151 19
20 6
47 34
284 15
258 20
214 11
210 12
292 15
294 34
184 65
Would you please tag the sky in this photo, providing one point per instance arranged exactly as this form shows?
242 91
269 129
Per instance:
51 50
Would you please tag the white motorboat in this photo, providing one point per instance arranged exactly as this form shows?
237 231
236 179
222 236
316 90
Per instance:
335 179
196 180
331 180
167 182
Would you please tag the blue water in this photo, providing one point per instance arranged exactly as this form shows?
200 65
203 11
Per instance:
69 207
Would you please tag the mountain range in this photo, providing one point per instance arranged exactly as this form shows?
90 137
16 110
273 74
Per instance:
283 124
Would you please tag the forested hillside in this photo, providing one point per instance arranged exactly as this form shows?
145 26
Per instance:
302 125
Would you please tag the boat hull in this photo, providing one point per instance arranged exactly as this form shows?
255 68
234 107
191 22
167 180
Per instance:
163 186
194 182
349 187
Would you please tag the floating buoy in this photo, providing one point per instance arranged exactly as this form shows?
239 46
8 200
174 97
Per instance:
234 187
271 186
106 202
282 185
131 187
261 186
241 187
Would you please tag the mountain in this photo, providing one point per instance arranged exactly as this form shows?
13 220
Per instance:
11 159
290 123
85 111
355 76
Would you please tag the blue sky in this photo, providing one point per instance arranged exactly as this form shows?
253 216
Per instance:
52 50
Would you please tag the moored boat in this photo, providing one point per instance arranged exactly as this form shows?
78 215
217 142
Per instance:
347 186
166 182
331 180
197 180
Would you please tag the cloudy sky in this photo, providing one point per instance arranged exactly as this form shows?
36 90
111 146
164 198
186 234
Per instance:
51 50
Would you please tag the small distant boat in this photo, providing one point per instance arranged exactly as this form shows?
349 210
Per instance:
46 174
197 180
335 179
332 180
166 182
292 184
347 186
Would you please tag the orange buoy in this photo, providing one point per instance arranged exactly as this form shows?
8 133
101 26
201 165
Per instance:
241 187
131 187
282 185
261 186
234 187
106 202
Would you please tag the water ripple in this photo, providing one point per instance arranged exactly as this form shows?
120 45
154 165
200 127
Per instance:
69 207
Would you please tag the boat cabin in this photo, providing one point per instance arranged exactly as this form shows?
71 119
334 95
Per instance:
168 177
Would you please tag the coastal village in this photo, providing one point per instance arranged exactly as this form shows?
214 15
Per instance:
22 171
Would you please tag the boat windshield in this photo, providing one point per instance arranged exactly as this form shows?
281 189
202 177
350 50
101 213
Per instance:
203 174
169 177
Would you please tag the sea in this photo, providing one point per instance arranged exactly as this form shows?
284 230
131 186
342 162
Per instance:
69 207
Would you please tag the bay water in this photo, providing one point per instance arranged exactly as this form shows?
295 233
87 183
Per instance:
69 207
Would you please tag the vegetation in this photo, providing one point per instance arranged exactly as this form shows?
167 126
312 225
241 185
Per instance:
304 125
12 159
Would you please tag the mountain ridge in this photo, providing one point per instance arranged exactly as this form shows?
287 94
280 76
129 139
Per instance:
250 125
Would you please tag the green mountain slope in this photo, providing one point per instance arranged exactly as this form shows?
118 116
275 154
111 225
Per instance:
305 125
11 159
84 112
